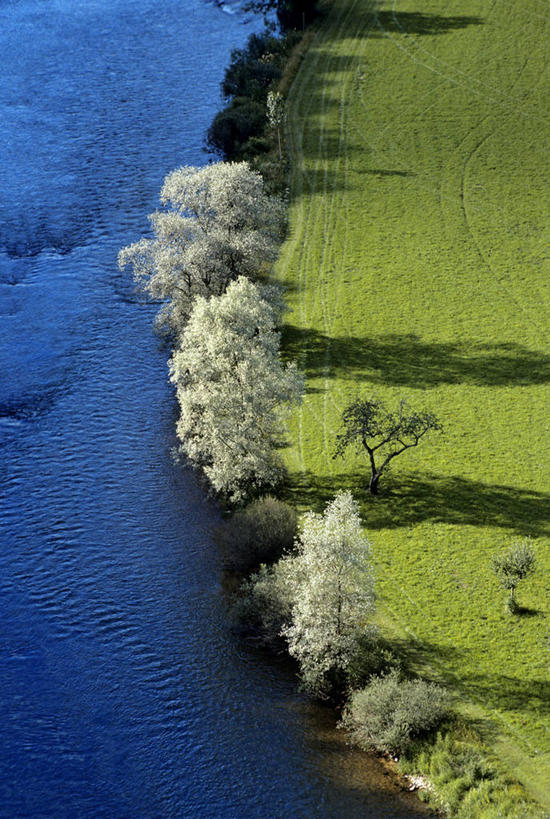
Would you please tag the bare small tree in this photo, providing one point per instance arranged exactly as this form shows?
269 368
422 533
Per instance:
384 435
513 566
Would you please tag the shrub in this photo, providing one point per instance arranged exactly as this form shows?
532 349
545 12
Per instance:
235 125
265 604
260 533
390 712
468 783
253 69
513 566
372 656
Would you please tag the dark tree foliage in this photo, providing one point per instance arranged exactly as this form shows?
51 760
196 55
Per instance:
233 127
254 68
260 533
238 131
290 13
384 435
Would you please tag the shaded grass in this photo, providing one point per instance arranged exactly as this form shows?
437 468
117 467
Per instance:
417 267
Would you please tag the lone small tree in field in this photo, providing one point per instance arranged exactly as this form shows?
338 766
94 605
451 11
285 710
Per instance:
513 566
384 435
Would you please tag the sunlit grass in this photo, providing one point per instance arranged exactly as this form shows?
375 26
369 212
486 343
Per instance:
418 266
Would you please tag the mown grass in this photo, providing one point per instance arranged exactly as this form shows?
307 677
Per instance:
418 266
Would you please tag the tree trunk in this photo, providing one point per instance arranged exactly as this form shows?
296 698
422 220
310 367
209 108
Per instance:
373 485
374 472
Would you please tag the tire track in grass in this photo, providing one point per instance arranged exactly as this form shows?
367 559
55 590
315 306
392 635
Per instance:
330 301
335 396
471 79
392 123
309 218
401 165
382 136
295 137
510 727
391 126
507 289
294 246
448 77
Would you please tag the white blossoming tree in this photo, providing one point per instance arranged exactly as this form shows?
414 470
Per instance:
233 390
333 593
219 224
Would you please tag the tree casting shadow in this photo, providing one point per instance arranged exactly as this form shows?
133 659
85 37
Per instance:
405 360
511 693
410 499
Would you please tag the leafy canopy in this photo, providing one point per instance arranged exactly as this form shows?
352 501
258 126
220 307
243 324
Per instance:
233 391
219 224
514 565
333 593
384 434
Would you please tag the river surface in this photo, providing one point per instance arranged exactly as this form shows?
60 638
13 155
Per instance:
122 690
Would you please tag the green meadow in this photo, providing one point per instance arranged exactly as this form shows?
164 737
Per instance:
418 267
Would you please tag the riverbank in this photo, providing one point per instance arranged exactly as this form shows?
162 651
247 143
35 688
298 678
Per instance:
123 691
414 270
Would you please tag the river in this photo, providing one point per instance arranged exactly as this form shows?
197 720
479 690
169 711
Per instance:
122 692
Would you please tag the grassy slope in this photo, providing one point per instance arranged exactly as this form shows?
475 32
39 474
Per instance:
418 266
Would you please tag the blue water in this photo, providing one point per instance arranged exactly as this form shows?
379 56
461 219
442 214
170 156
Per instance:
122 691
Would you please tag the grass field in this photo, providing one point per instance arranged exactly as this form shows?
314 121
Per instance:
418 266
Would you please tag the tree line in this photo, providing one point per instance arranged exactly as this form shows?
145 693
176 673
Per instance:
209 259
308 585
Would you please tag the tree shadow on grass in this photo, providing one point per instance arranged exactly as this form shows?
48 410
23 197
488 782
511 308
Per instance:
414 654
510 693
420 23
410 499
525 611
405 360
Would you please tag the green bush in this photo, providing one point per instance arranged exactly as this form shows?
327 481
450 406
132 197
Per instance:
390 713
265 604
254 68
467 783
260 533
233 127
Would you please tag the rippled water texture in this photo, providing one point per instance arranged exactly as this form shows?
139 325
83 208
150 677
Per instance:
122 692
